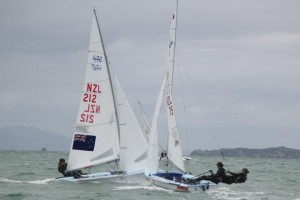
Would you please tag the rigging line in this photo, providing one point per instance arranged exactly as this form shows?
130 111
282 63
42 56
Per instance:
201 106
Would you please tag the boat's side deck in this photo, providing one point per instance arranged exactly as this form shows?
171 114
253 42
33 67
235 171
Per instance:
178 182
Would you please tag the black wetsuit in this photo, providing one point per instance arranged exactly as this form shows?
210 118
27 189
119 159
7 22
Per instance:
215 178
240 177
62 167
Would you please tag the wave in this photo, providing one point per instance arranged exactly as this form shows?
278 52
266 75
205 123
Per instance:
42 182
136 179
13 196
226 193
25 173
9 180
145 187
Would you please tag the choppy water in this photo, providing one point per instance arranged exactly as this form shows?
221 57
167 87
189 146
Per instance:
31 175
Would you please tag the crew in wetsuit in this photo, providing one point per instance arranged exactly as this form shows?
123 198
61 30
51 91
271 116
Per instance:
215 178
162 155
62 167
240 177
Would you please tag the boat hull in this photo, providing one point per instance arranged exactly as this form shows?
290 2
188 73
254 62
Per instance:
103 176
177 182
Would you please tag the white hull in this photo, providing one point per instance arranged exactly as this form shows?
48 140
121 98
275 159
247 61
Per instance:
179 185
103 176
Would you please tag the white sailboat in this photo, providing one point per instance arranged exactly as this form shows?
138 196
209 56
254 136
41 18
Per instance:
106 129
173 180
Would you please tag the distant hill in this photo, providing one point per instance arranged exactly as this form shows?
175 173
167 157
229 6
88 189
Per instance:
277 152
31 138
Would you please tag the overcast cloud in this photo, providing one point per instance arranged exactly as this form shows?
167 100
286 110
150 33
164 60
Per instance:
238 61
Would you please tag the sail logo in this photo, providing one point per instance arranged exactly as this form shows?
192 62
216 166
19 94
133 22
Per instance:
84 142
80 138
96 67
170 106
97 59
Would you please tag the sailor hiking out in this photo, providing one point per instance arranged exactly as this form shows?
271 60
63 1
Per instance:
221 177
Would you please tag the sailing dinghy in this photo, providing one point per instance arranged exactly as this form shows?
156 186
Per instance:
106 129
173 180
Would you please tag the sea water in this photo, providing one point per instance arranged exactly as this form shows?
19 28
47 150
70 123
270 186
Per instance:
31 175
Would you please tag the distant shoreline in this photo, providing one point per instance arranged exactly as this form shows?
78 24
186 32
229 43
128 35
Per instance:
276 152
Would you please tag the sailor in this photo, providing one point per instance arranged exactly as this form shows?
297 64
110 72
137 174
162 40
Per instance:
62 167
240 177
162 155
215 178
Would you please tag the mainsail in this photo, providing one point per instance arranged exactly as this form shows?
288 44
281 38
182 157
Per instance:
174 146
96 135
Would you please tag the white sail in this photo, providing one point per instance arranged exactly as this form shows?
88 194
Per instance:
152 156
133 145
174 146
96 135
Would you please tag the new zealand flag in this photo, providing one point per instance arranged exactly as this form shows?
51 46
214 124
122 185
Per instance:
84 142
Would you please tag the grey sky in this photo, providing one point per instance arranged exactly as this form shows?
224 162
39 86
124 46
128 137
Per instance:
240 58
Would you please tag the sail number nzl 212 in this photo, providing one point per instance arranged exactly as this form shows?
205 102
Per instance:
90 103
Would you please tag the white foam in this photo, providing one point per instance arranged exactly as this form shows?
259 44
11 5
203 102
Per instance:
134 180
9 180
45 181
225 192
145 187
41 182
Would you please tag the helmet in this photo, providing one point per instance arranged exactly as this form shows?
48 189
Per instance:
220 164
245 170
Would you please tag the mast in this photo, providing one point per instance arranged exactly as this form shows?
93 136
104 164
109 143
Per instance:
174 41
109 75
